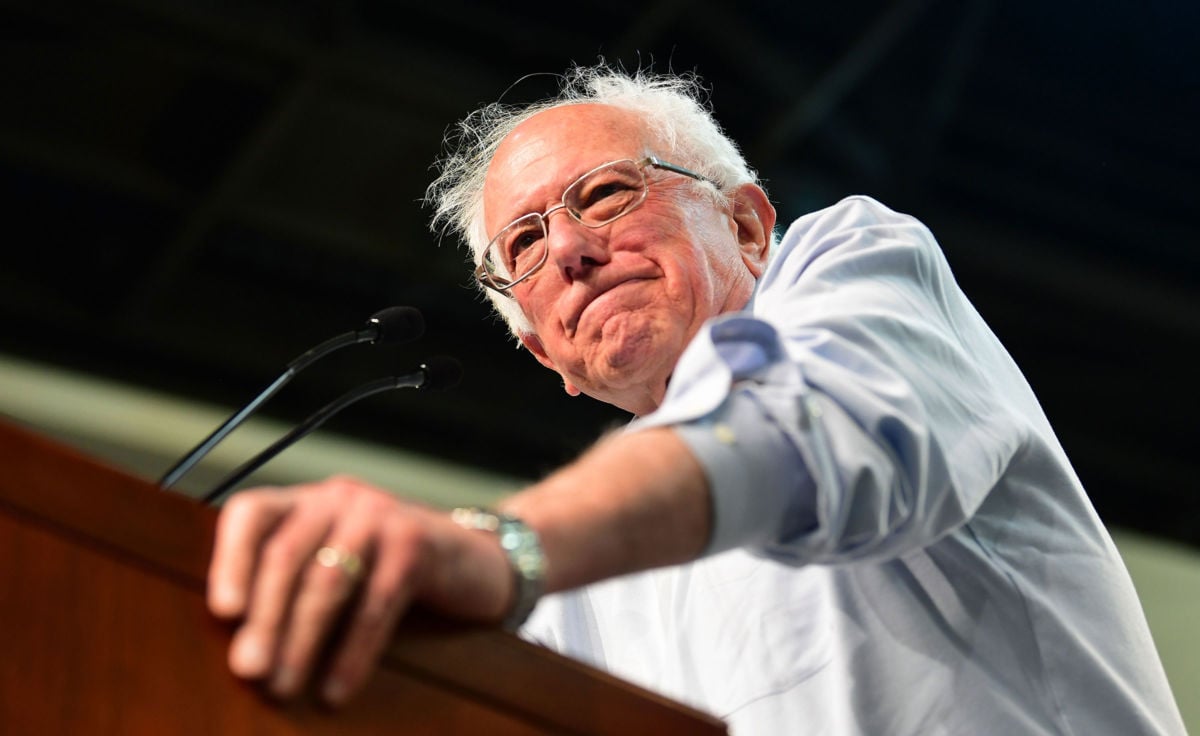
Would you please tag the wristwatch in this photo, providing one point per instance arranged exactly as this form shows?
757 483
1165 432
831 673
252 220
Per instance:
524 552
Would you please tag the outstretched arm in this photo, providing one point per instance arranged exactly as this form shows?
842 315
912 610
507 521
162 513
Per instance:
634 501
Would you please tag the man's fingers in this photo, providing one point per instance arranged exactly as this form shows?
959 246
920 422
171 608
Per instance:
281 562
376 555
326 586
387 593
245 520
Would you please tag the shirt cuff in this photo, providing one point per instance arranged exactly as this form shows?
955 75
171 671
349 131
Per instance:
761 490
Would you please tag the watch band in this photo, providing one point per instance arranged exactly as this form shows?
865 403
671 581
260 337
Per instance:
524 552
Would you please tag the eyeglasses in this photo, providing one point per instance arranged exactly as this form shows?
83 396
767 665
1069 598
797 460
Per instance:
604 194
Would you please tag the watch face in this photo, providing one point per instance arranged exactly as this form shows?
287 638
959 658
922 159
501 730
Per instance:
523 550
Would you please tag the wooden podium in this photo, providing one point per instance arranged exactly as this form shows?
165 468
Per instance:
103 630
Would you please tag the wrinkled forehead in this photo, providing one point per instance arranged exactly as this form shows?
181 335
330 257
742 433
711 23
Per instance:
550 150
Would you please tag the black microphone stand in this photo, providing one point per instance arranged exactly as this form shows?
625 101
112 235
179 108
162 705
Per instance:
394 324
436 374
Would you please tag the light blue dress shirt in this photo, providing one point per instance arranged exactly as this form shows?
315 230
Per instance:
900 543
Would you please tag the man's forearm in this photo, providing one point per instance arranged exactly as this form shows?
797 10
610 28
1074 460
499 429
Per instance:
632 502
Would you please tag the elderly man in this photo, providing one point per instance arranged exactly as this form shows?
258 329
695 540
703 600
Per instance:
840 508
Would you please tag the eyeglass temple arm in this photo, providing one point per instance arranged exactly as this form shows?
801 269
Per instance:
660 164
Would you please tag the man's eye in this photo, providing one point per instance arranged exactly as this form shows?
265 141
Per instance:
521 242
603 191
607 191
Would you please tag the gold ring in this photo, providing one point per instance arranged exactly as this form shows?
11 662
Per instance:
347 562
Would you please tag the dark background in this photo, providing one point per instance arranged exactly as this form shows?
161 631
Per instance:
194 193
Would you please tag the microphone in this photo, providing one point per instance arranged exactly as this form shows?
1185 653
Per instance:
436 374
393 325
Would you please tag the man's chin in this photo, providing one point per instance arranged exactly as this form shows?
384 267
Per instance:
632 365
637 386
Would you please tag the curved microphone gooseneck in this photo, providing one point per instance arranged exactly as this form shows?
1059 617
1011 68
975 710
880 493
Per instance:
388 326
435 374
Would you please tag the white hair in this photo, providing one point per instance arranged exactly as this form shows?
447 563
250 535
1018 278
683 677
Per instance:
671 106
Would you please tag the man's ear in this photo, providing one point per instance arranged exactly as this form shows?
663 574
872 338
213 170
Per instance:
534 345
755 218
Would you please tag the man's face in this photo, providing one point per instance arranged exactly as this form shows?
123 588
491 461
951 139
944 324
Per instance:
613 307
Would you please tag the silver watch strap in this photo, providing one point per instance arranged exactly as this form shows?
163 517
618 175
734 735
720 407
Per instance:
524 552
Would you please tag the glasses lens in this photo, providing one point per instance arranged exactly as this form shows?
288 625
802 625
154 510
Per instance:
605 194
516 250
597 198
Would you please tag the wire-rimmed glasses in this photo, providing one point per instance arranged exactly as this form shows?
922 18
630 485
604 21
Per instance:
604 194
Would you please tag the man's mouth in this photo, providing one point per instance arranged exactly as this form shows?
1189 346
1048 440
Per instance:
573 324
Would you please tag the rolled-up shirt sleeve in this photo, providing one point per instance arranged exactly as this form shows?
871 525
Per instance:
847 412
761 489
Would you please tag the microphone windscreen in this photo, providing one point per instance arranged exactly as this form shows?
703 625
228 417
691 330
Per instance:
441 372
398 324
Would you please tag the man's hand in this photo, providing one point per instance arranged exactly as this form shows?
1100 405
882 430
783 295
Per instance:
632 502
264 571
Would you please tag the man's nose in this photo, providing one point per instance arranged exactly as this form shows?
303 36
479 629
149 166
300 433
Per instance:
574 248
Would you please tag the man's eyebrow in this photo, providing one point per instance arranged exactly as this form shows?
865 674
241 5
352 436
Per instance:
521 207
521 204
